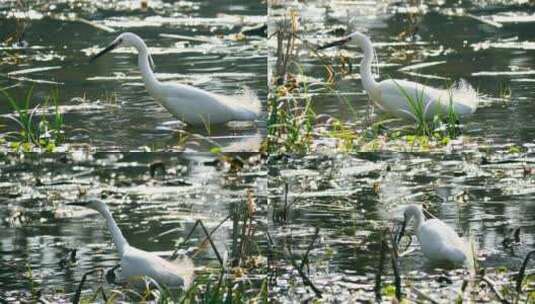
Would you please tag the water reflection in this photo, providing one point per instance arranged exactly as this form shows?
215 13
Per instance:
108 106
154 213
353 198
434 43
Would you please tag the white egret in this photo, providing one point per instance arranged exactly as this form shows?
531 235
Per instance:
136 263
439 242
187 103
407 99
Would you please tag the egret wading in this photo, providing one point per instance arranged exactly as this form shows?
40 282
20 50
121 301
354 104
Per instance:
136 263
407 99
187 103
439 242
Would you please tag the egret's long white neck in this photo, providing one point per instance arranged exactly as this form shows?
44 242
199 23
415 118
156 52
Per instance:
146 71
116 234
368 82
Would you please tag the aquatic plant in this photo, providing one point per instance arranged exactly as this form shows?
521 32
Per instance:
294 127
224 284
291 123
45 134
504 91
291 118
442 126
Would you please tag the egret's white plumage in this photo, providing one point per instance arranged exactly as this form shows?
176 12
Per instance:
439 242
392 95
136 263
187 103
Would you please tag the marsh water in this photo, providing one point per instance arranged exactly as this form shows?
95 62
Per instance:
38 231
105 104
351 199
331 208
488 43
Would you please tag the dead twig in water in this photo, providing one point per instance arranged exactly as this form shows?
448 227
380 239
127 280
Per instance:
522 272
395 267
495 290
247 228
211 242
305 257
282 216
421 294
378 276
306 280
286 33
208 237
270 256
285 211
77 295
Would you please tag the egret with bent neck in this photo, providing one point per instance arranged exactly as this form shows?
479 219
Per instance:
136 263
407 99
187 103
439 242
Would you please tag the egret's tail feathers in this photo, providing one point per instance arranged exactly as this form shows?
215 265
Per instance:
247 106
185 268
250 99
466 95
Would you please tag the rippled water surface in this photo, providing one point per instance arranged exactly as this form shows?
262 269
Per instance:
488 43
105 103
320 219
38 231
351 199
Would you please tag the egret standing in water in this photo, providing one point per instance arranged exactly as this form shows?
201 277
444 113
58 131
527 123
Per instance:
439 242
189 104
136 263
401 97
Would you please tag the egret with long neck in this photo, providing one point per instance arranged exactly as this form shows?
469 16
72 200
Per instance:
407 99
136 263
187 103
439 242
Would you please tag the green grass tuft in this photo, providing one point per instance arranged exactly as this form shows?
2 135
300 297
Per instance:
43 132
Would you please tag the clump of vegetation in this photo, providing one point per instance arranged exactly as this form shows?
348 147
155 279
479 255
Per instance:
291 121
206 288
504 91
222 290
441 128
228 283
294 127
291 117
15 40
36 129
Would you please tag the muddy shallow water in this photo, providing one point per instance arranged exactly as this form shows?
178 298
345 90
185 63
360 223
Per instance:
105 103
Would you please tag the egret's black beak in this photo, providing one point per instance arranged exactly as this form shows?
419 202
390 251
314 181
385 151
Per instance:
79 203
335 43
107 49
